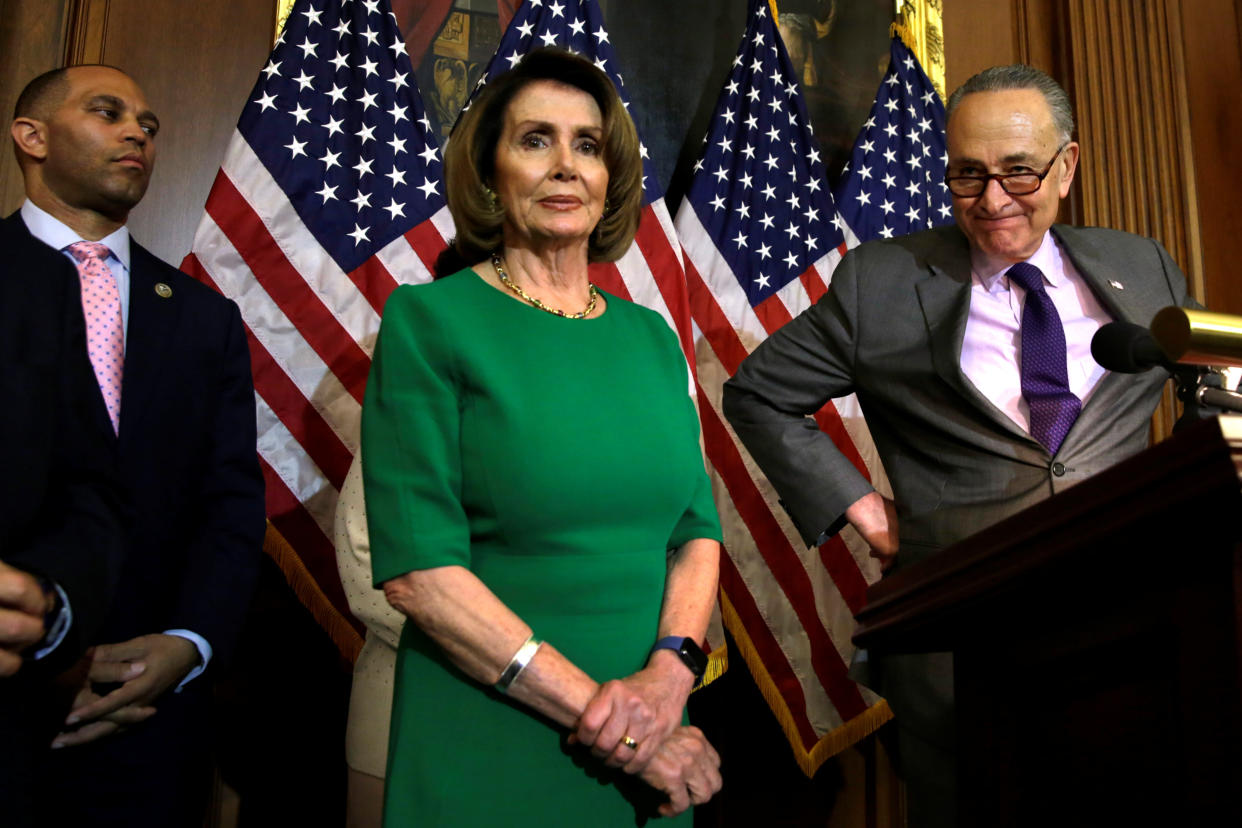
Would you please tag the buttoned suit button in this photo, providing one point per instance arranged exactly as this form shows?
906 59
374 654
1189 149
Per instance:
1058 469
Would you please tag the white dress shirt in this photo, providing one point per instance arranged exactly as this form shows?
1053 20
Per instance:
991 348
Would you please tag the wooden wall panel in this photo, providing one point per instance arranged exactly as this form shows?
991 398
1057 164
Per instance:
1212 36
31 42
977 34
196 73
1137 168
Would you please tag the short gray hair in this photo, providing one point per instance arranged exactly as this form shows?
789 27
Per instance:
1019 76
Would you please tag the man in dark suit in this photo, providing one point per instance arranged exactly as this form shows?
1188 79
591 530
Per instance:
180 406
931 332
61 540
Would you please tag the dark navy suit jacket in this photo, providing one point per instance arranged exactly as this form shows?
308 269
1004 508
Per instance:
60 511
188 464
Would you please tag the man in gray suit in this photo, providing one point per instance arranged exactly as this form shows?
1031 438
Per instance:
974 417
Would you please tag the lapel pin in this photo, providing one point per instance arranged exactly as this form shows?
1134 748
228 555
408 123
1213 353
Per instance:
1116 285
164 291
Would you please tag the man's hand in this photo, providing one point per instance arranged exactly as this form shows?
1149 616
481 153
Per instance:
645 707
23 604
146 667
875 518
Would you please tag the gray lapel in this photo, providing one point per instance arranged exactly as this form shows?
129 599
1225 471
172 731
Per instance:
1108 272
945 300
1124 299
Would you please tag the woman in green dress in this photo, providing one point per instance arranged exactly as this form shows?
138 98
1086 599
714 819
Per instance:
535 491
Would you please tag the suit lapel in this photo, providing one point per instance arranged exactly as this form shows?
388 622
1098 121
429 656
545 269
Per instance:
24 244
1111 285
152 320
945 300
1123 299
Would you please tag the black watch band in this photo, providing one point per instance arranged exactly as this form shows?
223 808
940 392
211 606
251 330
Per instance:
690 653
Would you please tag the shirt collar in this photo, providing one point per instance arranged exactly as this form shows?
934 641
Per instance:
1047 258
53 232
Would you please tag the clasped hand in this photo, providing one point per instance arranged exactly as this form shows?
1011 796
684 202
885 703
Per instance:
146 667
22 607
646 708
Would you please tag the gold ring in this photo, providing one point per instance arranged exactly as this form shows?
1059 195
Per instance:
629 742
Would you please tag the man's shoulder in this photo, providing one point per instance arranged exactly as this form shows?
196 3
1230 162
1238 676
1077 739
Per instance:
146 267
941 248
30 267
935 240
1071 235
17 238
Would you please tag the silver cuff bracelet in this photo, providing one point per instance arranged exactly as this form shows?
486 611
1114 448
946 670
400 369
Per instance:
518 663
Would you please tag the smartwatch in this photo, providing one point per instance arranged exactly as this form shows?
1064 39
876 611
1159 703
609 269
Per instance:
690 653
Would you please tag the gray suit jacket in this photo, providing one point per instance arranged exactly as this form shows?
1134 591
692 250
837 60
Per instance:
890 330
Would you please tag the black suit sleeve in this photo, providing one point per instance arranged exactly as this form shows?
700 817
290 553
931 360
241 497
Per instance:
223 553
62 514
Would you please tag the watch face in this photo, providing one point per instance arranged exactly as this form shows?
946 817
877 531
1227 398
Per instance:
693 655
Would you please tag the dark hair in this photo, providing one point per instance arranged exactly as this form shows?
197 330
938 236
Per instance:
42 95
1019 76
470 157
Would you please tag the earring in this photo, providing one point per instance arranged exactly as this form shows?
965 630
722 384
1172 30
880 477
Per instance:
492 196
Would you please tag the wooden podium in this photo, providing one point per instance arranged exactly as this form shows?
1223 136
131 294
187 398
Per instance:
1097 641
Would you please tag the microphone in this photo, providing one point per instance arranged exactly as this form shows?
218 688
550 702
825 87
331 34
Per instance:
1177 337
1128 349
1199 337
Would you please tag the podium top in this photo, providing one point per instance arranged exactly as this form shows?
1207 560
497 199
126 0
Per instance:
1183 489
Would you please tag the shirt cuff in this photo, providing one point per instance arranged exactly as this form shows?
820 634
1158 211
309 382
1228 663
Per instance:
827 534
59 627
204 654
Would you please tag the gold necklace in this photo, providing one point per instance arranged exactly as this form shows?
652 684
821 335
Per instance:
511 285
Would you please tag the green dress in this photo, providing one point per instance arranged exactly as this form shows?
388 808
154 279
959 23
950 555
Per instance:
558 460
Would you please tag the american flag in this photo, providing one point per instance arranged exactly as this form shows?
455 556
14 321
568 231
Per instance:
650 273
762 237
893 183
329 196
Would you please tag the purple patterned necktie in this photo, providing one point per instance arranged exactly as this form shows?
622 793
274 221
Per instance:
1045 379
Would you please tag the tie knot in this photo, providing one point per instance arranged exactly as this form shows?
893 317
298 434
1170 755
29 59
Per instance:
84 250
1030 277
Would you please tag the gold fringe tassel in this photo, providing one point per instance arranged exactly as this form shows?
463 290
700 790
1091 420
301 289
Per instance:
717 665
900 29
920 25
830 744
338 628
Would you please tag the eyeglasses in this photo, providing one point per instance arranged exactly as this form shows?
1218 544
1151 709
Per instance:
1023 183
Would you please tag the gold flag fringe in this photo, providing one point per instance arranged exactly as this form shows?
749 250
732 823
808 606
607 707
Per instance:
920 25
343 634
900 29
717 665
831 743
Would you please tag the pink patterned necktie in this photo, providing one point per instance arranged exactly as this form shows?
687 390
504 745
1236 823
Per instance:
101 304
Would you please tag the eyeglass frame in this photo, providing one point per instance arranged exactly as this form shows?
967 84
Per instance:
1002 178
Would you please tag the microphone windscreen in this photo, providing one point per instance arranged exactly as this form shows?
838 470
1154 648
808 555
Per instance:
1126 348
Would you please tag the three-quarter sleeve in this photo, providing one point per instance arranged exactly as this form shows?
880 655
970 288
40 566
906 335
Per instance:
411 430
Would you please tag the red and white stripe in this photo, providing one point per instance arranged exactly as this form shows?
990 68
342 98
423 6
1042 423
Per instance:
795 604
311 328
